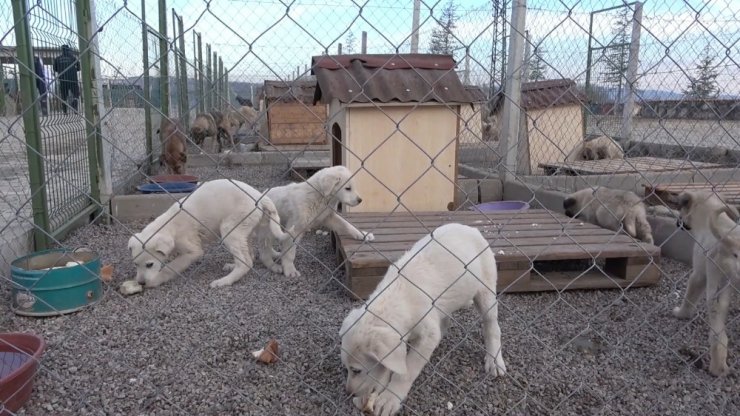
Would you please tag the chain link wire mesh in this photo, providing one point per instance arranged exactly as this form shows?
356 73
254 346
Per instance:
290 87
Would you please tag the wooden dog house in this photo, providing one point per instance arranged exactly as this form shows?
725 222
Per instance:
292 117
552 122
395 122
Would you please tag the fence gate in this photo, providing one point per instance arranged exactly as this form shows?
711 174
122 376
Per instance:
611 70
58 124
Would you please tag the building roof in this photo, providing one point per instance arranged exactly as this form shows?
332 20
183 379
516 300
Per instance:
477 94
301 90
545 94
388 78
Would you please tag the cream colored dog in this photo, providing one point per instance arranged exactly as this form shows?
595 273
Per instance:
613 209
442 273
220 208
307 205
599 148
715 266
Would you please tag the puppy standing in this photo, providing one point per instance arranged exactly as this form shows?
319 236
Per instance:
225 208
174 148
611 208
311 204
212 124
713 224
442 273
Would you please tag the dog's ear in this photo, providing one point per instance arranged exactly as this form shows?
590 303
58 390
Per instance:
731 212
162 244
132 242
329 184
389 350
684 200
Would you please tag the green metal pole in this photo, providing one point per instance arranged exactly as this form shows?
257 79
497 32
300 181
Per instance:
164 75
185 116
2 90
201 84
27 85
92 128
209 80
176 52
227 95
214 90
221 85
147 91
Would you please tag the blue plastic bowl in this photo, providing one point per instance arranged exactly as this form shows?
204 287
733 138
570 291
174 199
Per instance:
496 206
168 187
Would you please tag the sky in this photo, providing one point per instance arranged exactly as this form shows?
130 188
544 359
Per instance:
283 34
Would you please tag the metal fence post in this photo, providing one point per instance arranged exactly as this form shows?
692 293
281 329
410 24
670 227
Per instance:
216 83
201 84
509 149
629 103
84 34
221 88
176 55
164 75
2 91
226 90
209 80
185 116
147 90
27 86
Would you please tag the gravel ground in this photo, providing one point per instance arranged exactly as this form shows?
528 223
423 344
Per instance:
185 349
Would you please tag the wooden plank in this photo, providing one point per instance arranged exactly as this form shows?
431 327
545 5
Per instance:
297 113
627 165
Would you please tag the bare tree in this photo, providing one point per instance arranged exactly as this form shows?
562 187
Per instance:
349 43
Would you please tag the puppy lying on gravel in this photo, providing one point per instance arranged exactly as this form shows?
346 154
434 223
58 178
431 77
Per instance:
442 273
221 208
613 209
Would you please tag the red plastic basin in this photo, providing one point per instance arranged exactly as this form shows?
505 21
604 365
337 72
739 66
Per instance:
20 354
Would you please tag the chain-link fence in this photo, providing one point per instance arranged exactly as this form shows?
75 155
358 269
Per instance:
561 137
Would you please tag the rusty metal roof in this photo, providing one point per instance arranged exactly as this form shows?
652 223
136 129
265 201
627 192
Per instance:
545 94
476 93
388 78
288 91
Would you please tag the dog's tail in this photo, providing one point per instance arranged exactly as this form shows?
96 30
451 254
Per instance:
713 219
271 218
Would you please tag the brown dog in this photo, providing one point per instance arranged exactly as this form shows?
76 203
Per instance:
212 124
174 149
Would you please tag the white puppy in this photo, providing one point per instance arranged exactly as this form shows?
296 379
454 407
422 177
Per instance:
442 273
307 205
221 208
715 266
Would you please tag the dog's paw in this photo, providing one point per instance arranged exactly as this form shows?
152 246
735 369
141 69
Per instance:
495 365
386 404
682 313
367 236
228 267
290 271
220 283
719 369
276 268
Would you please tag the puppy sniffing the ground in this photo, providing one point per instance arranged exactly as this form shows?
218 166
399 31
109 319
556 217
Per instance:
311 204
715 266
222 208
387 342
174 146
610 208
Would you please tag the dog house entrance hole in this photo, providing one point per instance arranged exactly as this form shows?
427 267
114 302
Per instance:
336 146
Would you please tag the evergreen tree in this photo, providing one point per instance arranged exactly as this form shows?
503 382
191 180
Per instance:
537 63
617 52
704 86
442 40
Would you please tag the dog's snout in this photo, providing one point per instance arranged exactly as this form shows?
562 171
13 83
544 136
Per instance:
359 200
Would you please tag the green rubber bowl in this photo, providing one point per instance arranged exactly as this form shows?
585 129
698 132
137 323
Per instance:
47 283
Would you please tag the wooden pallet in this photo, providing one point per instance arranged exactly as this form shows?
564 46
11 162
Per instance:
518 238
616 166
667 194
